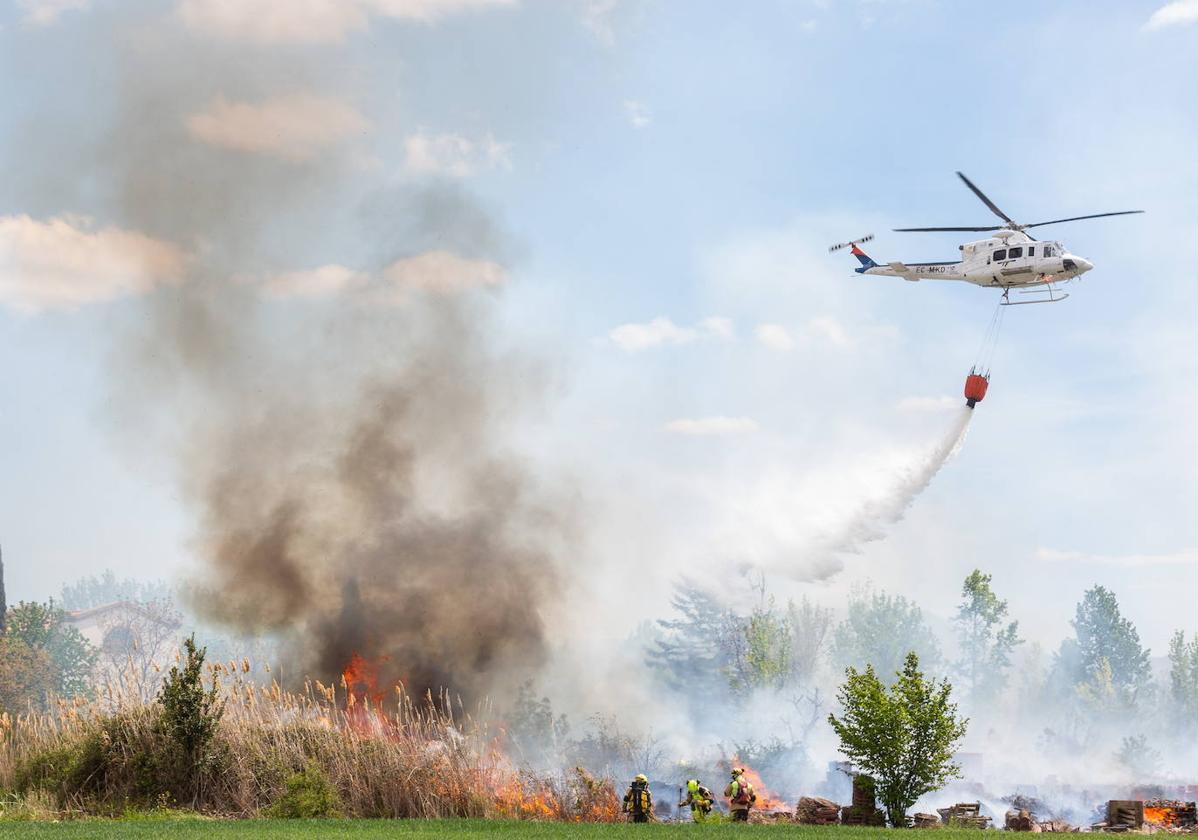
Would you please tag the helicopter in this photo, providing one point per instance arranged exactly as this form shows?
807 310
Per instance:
1009 259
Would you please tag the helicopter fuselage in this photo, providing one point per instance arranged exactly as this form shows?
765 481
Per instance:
1010 259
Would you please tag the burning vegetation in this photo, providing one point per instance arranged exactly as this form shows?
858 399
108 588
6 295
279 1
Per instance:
89 757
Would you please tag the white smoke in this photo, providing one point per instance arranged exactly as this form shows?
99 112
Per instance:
798 519
869 522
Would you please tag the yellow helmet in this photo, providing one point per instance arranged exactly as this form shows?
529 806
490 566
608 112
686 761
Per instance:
641 777
737 771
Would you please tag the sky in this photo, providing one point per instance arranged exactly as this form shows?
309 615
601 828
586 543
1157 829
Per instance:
722 393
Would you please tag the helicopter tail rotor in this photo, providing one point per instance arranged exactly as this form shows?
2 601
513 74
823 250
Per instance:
851 243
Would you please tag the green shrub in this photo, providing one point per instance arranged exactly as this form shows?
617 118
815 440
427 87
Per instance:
189 718
190 714
63 771
48 770
123 760
309 793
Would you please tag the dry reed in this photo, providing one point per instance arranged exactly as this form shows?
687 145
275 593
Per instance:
412 759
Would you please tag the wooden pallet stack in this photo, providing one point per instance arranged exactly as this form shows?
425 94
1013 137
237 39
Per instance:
1122 815
1171 813
964 815
1058 827
815 810
864 810
1021 819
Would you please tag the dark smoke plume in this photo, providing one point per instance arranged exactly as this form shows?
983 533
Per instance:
386 524
346 459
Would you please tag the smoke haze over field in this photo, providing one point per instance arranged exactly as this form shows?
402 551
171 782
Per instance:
461 333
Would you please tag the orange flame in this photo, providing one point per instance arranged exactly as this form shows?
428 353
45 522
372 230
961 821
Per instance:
1161 815
360 677
514 801
578 798
766 801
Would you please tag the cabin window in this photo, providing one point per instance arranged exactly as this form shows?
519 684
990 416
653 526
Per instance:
1000 255
1031 250
1015 253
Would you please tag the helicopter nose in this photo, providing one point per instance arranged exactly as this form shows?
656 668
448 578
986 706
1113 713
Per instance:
1079 264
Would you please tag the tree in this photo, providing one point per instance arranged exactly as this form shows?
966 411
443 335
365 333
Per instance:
106 588
26 675
986 644
691 658
138 639
536 735
43 628
1104 635
190 714
759 650
879 630
809 626
1140 760
710 651
1183 681
3 597
903 736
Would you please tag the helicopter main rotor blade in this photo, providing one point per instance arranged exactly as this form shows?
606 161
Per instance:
1077 218
925 230
985 200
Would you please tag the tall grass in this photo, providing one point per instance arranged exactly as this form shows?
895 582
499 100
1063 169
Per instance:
415 758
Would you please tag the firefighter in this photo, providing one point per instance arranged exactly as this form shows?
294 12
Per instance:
740 795
699 798
638 802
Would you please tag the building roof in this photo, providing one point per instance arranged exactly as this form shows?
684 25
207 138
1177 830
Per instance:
81 616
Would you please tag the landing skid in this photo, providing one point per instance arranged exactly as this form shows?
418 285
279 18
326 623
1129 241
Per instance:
1046 295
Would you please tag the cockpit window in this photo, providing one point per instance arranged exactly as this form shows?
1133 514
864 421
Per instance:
1000 255
1015 253
1050 251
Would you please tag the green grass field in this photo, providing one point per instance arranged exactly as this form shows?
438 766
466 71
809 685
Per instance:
422 830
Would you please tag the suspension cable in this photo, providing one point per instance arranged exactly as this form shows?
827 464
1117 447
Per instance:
989 342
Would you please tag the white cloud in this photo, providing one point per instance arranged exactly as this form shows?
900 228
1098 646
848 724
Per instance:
661 330
275 21
295 128
440 272
633 337
712 426
63 263
1179 13
829 329
429 11
717 327
452 154
435 272
311 21
774 336
824 329
597 16
319 282
928 405
1129 561
638 113
46 12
